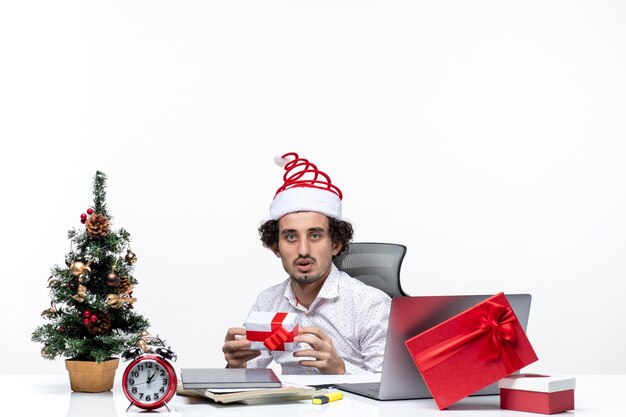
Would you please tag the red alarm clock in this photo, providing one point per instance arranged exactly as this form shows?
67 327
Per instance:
150 380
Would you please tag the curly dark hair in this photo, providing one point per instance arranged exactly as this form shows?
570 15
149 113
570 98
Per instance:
340 232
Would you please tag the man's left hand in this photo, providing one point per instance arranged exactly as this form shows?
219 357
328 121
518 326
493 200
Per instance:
322 349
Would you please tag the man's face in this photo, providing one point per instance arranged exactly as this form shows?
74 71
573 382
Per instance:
305 246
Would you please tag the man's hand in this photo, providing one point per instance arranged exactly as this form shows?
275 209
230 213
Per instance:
322 349
236 350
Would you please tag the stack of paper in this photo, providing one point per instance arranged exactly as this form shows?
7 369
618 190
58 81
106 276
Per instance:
247 386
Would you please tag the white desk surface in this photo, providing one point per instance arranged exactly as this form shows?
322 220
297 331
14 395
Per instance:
50 396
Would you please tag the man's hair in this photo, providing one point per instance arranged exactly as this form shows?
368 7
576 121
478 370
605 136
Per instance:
340 232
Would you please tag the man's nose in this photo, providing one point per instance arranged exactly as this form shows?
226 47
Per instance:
303 247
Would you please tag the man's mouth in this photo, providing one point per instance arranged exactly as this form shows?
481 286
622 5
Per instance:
304 265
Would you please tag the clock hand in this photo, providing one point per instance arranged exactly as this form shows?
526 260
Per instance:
150 378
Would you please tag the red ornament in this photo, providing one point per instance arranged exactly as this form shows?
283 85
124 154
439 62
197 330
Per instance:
83 216
62 329
93 318
83 221
86 322
90 211
87 313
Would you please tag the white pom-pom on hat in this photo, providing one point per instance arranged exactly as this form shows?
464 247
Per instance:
280 161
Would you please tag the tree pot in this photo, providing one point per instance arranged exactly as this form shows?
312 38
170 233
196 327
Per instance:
91 376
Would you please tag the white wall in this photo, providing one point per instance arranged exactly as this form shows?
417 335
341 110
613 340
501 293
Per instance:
487 136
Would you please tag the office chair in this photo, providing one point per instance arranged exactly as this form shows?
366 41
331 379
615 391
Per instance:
375 264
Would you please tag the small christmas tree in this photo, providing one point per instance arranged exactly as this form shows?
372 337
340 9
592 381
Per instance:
91 315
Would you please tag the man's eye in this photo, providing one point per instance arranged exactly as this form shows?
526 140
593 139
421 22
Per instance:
290 238
315 236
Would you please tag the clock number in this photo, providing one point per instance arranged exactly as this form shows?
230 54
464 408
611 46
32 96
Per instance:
148 398
131 381
135 374
156 396
134 390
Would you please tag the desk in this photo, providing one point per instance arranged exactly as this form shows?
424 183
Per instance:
50 396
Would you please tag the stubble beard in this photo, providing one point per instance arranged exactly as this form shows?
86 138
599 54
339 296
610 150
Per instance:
306 279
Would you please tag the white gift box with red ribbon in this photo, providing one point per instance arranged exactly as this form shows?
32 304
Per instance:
537 393
272 330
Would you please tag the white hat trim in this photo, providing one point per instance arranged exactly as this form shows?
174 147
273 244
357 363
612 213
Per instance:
305 199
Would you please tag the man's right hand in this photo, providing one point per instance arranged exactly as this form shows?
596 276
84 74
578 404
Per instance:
236 349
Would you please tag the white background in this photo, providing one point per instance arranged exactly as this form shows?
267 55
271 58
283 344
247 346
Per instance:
486 136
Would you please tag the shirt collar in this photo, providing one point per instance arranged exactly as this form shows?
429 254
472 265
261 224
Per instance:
330 289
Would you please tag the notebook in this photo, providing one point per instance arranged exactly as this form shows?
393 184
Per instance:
207 378
400 378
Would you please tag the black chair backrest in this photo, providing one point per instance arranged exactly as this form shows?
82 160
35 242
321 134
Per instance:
375 264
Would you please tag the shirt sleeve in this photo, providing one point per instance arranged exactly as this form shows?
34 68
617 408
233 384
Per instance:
373 334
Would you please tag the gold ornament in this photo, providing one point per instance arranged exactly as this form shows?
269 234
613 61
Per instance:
80 293
45 353
49 311
141 343
130 257
79 268
117 301
53 282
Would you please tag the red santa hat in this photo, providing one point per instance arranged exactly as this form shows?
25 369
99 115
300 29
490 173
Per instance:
305 188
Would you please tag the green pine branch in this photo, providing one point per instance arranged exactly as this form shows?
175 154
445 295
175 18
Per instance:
99 194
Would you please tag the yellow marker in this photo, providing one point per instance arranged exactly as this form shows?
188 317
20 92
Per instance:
327 398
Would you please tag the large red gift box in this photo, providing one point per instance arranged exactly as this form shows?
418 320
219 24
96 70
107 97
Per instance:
537 393
471 350
272 331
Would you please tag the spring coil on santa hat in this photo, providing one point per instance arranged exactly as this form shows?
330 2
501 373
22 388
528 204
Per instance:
305 188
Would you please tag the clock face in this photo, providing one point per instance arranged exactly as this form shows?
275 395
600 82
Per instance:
149 382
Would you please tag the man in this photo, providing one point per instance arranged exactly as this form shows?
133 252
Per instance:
343 321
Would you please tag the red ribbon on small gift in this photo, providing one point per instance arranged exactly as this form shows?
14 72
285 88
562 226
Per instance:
493 322
276 338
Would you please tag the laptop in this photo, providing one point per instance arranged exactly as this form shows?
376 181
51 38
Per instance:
400 379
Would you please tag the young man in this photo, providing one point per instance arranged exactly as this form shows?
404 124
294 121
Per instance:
343 322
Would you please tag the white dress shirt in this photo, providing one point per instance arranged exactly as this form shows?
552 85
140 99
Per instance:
352 314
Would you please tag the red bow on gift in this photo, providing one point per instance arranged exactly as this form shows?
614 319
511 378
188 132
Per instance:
276 338
494 323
